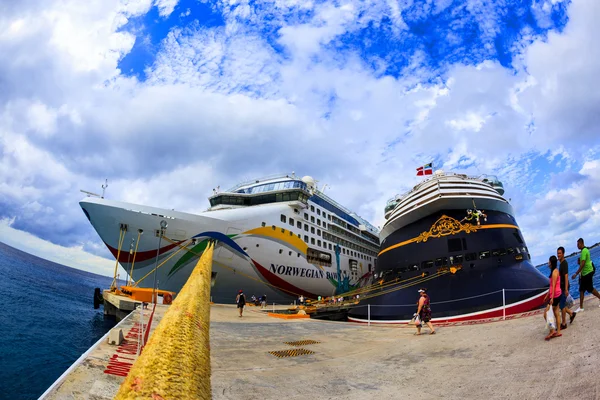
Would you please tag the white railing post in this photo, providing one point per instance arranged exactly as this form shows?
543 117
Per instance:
368 315
503 305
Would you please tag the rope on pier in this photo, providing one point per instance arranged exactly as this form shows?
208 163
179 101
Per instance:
175 363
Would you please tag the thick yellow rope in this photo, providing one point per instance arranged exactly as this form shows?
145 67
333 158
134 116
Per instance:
175 363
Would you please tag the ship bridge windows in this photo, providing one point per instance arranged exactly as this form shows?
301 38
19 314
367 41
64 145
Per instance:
498 252
306 227
318 212
427 264
470 256
312 240
312 229
298 224
312 208
252 200
458 259
306 216
484 254
306 238
292 221
454 245
441 261
283 218
312 219
518 236
264 224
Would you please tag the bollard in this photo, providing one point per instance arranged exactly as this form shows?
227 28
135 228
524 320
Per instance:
175 363
503 305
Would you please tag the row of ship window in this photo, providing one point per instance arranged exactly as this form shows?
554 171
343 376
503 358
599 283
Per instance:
317 231
459 259
324 244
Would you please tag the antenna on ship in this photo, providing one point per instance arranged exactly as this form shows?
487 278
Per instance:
325 186
95 194
104 187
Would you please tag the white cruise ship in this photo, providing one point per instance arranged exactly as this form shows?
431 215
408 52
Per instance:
275 236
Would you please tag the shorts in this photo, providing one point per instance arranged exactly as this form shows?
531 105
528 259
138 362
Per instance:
240 305
586 284
556 301
563 301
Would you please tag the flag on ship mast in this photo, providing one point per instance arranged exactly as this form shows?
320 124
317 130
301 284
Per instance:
426 169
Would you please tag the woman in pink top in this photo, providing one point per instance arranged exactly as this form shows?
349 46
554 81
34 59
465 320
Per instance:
553 296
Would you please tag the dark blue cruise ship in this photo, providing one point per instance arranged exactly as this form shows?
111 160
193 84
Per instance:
456 236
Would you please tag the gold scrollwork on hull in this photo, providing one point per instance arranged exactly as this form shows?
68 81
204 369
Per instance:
445 226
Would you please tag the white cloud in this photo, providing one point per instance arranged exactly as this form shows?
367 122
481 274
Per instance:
220 105
74 257
166 7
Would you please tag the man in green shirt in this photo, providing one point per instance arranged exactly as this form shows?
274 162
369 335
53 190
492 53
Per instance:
586 284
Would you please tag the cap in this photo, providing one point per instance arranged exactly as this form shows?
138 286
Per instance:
421 291
240 291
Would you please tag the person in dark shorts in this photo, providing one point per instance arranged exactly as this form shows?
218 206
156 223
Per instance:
553 297
241 302
424 311
586 269
563 271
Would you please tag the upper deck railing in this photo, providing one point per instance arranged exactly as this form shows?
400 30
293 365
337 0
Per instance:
480 178
263 179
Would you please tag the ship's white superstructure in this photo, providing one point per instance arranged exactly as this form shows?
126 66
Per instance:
444 191
275 236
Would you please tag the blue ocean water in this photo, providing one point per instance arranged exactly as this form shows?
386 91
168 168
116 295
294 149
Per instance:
47 321
573 267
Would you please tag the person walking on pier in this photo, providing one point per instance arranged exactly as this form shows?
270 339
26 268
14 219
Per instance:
263 302
241 301
563 271
424 311
553 298
586 269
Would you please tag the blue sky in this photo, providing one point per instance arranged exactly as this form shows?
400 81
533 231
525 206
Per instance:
168 99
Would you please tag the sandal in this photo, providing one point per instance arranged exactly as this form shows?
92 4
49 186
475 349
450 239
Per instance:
563 326
550 336
556 334
432 333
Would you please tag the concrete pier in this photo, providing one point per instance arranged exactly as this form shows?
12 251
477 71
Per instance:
118 306
492 359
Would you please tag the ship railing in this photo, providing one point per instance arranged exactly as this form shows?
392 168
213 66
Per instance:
413 305
262 179
434 177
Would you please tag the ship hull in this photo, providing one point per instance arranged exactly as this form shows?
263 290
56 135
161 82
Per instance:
470 270
254 250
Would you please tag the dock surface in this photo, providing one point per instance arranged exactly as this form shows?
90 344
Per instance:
494 360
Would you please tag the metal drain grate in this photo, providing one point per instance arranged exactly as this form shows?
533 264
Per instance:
302 342
291 353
